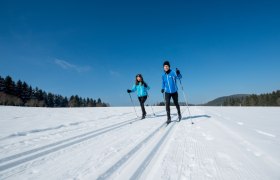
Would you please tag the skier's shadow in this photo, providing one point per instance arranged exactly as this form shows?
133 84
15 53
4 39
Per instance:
161 115
164 115
154 116
195 117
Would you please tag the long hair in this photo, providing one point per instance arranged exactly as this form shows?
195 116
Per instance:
137 82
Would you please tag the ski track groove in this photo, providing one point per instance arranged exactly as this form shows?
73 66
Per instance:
104 158
58 132
38 138
21 158
198 157
127 156
137 174
164 139
139 171
9 158
35 131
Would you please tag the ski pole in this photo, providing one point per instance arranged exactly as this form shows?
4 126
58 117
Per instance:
133 105
152 107
163 96
185 99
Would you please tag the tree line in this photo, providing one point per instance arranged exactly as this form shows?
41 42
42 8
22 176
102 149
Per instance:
268 99
21 94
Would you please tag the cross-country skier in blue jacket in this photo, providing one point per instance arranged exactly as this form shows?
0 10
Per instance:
170 88
142 92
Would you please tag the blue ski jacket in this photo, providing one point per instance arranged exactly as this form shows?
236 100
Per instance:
141 89
169 82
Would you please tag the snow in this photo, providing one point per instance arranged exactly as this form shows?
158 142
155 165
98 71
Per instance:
265 133
111 143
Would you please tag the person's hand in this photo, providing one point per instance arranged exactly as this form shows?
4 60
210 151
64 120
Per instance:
128 91
162 90
145 85
178 72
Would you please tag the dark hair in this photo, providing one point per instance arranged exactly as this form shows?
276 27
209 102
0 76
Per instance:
137 82
166 63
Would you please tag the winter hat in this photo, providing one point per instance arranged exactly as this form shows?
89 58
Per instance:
166 63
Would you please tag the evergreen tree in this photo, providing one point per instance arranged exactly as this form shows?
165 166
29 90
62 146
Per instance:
2 84
20 93
19 89
64 102
9 85
25 90
50 98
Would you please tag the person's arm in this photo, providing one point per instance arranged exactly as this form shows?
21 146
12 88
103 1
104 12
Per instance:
148 88
133 88
178 74
162 84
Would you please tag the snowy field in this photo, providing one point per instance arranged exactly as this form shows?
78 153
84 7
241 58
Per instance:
224 143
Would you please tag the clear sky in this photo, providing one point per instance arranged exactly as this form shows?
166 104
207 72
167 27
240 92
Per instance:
95 48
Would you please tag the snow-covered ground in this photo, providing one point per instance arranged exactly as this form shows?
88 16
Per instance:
110 143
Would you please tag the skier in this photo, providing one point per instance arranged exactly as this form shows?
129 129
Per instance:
169 87
142 92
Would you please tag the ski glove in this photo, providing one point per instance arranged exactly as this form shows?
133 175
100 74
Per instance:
145 85
128 91
162 90
178 72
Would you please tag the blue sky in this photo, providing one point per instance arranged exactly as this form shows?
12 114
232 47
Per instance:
95 48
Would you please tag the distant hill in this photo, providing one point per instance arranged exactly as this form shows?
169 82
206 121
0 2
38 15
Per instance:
220 101
268 99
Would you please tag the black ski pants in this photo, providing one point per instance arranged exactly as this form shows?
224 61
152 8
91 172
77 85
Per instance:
174 96
142 101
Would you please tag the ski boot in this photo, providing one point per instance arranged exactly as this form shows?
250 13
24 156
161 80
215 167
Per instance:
168 120
179 117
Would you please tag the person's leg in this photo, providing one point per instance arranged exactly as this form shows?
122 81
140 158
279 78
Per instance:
167 105
175 100
144 100
142 104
